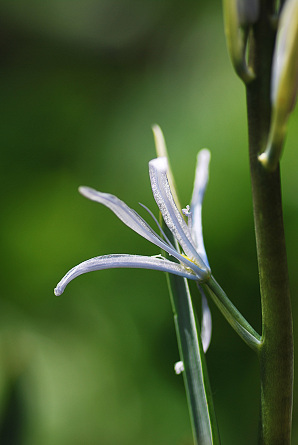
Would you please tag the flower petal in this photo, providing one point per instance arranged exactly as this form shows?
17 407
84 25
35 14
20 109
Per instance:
123 261
206 324
200 184
135 222
170 213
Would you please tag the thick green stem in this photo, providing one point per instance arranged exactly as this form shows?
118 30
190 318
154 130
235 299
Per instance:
276 352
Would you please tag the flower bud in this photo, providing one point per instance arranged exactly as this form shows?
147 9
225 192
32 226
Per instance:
239 15
284 82
248 11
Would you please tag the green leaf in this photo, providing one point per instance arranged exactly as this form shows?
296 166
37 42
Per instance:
202 415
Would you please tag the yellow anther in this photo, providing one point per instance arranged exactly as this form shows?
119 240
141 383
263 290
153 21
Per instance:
187 258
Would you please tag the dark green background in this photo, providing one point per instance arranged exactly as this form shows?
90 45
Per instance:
81 84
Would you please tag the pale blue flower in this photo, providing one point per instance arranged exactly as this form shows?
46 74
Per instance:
191 264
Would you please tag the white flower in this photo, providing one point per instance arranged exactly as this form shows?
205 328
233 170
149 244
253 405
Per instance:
191 264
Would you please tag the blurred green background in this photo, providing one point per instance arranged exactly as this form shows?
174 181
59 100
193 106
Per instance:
82 82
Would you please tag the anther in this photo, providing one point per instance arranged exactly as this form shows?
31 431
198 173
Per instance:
187 212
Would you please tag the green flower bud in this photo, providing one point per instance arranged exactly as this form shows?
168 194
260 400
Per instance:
284 82
239 15
248 11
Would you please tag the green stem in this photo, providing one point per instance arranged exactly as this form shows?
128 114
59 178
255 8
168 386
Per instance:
232 315
276 353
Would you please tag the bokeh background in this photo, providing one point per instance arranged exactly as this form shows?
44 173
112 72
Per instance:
82 82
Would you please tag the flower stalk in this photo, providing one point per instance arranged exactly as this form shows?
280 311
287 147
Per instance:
245 331
276 352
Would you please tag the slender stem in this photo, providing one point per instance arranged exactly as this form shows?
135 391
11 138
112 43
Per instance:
276 353
232 315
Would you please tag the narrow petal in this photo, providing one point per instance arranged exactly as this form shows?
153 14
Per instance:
123 261
135 222
206 324
200 184
170 213
127 215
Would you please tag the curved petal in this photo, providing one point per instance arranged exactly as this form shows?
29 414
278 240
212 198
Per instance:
123 261
171 215
135 222
200 184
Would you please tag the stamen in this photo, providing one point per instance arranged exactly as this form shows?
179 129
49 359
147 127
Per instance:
187 258
159 256
188 213
158 225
